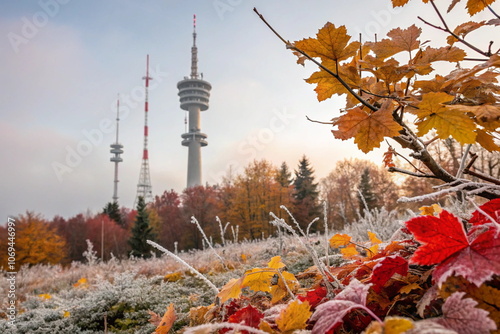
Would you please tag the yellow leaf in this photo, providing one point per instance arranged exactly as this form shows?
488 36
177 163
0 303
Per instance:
433 114
82 283
399 3
484 112
349 251
266 327
372 251
279 291
172 277
259 279
340 240
293 317
198 315
409 288
368 129
486 140
276 263
244 258
231 289
430 210
373 238
167 321
330 43
397 325
327 85
66 314
45 296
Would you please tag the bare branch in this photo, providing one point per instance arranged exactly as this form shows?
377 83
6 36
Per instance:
407 172
320 122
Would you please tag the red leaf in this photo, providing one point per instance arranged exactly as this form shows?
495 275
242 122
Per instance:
314 297
330 314
355 292
440 237
462 316
477 263
249 316
386 268
491 208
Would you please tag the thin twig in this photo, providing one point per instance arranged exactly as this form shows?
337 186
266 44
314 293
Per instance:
493 12
460 171
407 172
320 122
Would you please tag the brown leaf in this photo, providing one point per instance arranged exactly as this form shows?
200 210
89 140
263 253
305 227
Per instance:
167 321
406 39
463 29
475 6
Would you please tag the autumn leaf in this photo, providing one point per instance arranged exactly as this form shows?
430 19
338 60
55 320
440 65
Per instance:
433 114
349 251
445 243
329 315
249 316
463 29
475 6
45 296
430 210
385 269
399 3
388 158
409 288
314 297
373 238
340 240
462 316
280 291
491 209
231 289
391 325
167 320
293 317
330 43
355 292
484 112
406 39
368 129
486 140
328 85
276 263
259 279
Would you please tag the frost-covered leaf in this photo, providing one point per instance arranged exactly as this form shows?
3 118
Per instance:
293 317
429 327
386 268
167 320
355 292
391 325
249 316
340 240
462 316
280 291
314 297
491 209
231 289
373 238
330 314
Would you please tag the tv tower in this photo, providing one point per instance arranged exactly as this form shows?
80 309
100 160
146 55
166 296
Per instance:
144 185
116 149
194 93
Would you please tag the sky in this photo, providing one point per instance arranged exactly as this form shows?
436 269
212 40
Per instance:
64 62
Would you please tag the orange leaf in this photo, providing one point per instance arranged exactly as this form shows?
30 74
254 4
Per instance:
279 291
293 317
388 157
463 29
276 263
373 238
231 289
167 321
368 129
327 85
330 43
399 3
349 251
486 140
475 6
339 240
259 279
430 210
406 39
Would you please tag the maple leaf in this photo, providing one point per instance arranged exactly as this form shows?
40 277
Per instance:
330 43
314 297
463 29
406 39
340 240
486 140
231 289
430 210
259 279
167 320
491 208
327 85
349 251
386 268
249 316
409 288
484 112
368 129
462 316
276 263
329 315
445 243
475 6
373 238
293 317
391 325
355 292
434 115
280 291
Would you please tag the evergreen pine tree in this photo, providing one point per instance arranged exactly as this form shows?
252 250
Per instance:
284 177
306 206
141 232
112 210
366 197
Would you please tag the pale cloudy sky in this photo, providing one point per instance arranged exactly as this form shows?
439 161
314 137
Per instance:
65 61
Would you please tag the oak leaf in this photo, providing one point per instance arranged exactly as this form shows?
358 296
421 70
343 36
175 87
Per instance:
368 129
330 43
293 317
462 316
433 114
409 288
167 320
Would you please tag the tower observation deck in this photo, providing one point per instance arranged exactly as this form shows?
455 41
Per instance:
194 93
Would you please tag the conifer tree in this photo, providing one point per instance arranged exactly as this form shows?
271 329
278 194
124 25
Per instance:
112 210
306 206
366 197
284 176
141 232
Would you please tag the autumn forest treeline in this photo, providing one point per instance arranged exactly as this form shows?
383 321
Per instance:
244 201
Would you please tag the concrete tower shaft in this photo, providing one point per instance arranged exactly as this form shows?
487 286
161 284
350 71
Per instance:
194 94
116 150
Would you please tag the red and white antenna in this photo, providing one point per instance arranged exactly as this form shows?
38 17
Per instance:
144 188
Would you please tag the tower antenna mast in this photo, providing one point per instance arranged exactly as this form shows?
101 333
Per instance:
116 150
144 188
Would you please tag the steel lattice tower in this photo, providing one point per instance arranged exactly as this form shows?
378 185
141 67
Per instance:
116 149
194 93
144 188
